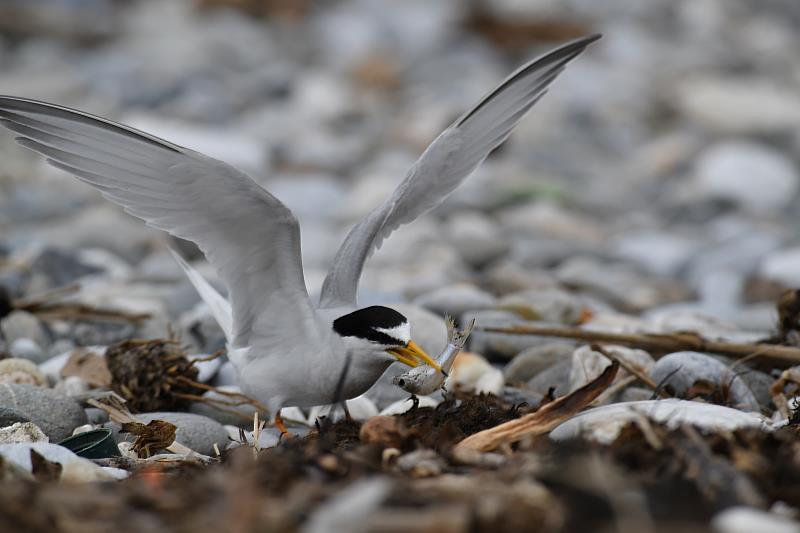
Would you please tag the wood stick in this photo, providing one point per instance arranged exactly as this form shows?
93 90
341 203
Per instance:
660 342
632 370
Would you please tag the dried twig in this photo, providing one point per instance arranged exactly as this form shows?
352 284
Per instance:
540 422
165 462
631 369
660 342
45 297
46 306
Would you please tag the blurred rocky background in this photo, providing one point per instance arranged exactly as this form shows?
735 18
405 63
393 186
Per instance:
660 174
654 189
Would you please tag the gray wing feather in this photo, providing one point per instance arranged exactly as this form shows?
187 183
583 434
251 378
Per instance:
450 158
245 232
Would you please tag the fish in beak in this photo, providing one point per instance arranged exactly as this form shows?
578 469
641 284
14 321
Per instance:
412 355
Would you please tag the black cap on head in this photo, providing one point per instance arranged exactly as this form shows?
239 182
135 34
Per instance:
364 323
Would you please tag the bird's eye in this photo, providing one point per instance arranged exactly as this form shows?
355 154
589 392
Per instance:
402 383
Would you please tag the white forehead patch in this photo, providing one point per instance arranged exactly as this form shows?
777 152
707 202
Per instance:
402 332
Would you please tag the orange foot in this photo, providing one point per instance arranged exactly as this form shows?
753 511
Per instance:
281 426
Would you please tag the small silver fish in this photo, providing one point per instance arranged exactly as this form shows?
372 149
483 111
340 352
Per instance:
424 380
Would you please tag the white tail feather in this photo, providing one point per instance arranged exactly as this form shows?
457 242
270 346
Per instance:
220 307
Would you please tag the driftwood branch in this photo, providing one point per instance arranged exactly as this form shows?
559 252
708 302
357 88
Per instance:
661 342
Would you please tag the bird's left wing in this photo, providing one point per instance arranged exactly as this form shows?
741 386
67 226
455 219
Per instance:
246 233
444 165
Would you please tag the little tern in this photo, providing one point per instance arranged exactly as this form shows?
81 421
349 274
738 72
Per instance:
286 350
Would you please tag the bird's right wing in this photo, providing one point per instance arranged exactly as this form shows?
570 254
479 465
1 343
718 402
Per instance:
450 158
246 233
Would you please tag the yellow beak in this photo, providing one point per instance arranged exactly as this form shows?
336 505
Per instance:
412 355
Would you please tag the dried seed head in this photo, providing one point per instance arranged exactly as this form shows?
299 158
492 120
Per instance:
151 375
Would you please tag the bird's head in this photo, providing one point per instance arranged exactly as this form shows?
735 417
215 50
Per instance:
384 332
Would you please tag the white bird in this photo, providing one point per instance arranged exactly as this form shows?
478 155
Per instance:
286 351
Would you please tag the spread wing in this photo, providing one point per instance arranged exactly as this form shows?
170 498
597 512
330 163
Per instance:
245 232
453 156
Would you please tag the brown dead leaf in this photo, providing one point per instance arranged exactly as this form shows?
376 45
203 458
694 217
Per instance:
44 470
157 435
543 420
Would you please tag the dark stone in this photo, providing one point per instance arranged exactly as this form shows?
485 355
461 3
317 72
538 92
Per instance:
60 267
10 416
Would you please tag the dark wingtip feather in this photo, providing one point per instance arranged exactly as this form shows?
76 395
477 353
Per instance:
563 54
15 104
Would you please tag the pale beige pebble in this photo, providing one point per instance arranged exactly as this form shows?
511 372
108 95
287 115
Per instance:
741 519
588 364
126 449
22 432
402 406
75 469
421 463
21 371
82 429
604 424
472 372
296 415
360 407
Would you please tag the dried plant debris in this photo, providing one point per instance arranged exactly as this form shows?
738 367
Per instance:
152 375
151 437
673 477
543 420
788 308
44 470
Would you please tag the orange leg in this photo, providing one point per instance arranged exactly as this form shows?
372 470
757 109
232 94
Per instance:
280 425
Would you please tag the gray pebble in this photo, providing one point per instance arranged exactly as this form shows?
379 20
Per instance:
516 396
225 376
224 417
454 300
54 412
61 267
635 394
206 370
535 359
726 171
759 384
499 345
24 325
555 376
103 334
9 415
27 349
680 370
96 416
553 305
477 239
